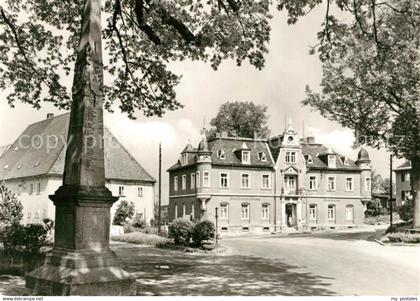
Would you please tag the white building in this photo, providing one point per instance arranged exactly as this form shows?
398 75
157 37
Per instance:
32 167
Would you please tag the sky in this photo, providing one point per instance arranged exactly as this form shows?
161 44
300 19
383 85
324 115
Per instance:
280 86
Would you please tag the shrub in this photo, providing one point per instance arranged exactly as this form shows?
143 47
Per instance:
125 210
403 237
202 230
35 237
138 221
180 230
11 210
18 238
406 211
141 238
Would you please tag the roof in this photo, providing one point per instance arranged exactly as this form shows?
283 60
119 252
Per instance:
315 149
40 150
231 146
3 149
405 166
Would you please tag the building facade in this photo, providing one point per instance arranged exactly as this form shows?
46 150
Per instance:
32 167
402 183
263 185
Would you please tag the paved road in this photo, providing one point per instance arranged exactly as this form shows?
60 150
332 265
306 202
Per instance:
344 264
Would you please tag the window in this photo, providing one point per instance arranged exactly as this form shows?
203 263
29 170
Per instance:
221 154
140 191
38 188
367 184
245 180
176 211
121 190
184 209
176 183
192 211
346 161
331 184
349 213
184 159
312 212
29 214
290 157
265 211
332 161
265 182
262 157
349 184
192 180
290 182
308 159
206 179
331 212
245 212
31 188
224 180
246 157
198 180
312 183
224 211
405 177
184 182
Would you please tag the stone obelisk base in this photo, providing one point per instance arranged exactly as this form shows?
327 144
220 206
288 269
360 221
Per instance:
81 262
67 273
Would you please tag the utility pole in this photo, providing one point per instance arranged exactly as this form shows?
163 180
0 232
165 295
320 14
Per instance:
217 226
390 191
160 190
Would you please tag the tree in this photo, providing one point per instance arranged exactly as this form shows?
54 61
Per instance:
11 210
243 119
371 75
39 43
125 210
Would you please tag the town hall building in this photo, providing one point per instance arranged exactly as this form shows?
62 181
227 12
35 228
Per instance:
283 183
32 167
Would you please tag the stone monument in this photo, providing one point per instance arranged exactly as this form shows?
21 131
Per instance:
81 262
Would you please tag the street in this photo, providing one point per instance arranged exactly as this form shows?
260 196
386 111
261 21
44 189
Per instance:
335 264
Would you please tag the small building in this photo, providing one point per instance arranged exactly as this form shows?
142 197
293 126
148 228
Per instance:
32 167
262 185
402 183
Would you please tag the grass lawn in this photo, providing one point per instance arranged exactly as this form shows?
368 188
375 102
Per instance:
19 263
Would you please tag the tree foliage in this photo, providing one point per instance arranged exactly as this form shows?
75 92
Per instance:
243 119
11 210
38 40
125 210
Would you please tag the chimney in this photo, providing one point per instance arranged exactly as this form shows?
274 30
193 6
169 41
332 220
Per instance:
310 140
50 115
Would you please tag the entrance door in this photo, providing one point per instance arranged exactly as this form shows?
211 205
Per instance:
290 216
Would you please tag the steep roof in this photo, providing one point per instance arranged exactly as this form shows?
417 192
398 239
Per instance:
315 149
40 150
3 149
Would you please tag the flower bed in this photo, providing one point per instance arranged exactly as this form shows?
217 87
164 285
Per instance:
141 238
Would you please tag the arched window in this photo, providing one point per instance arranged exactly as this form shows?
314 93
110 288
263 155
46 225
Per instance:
176 211
184 209
224 211
192 210
349 213
331 213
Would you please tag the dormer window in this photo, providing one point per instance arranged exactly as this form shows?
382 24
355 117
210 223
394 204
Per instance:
262 157
246 157
221 154
346 161
332 161
184 159
308 159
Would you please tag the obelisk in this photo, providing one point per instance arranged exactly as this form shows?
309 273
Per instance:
81 262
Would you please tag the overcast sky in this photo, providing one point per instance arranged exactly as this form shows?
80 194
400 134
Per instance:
280 86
